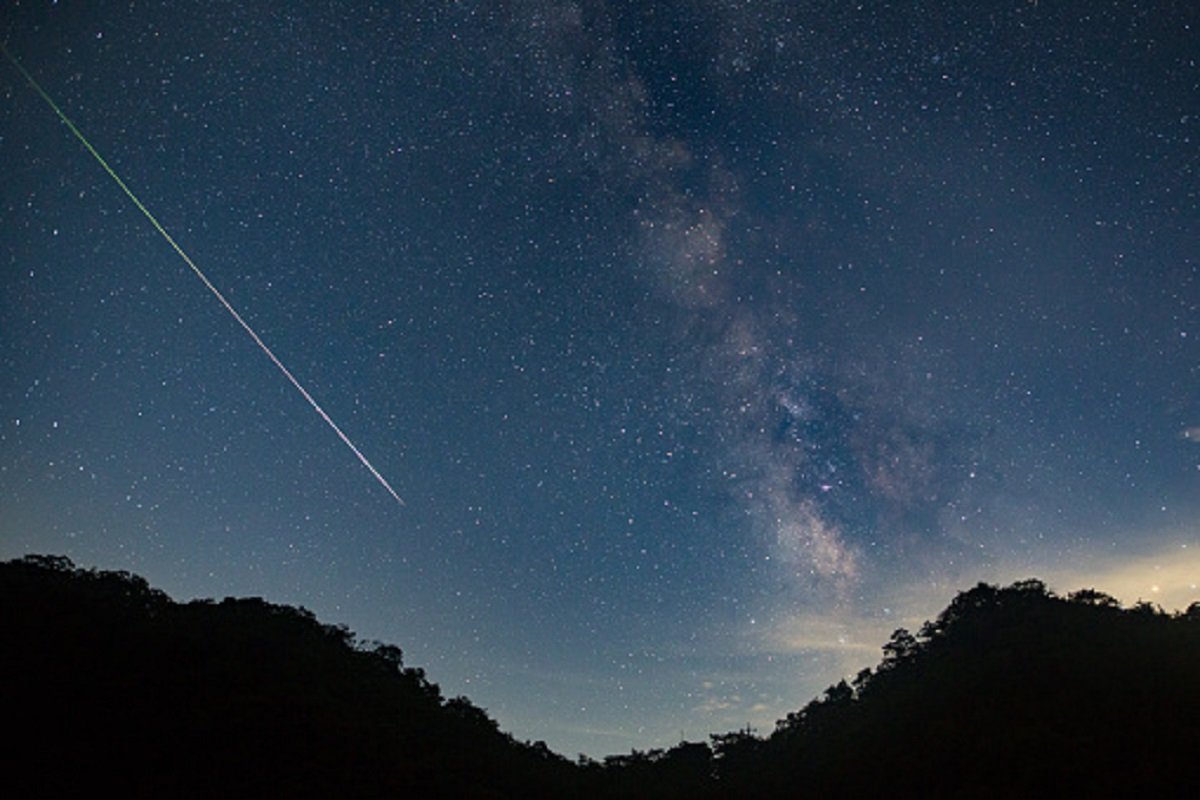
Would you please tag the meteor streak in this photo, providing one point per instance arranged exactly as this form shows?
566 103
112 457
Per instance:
204 278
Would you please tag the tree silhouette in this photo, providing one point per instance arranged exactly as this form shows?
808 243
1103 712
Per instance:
110 687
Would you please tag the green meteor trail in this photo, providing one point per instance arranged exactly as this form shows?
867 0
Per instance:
200 274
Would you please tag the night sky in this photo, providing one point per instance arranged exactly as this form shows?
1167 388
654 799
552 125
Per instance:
707 343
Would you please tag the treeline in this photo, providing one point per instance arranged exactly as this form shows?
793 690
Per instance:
1011 692
107 684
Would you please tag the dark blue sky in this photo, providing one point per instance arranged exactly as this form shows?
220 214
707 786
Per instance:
707 342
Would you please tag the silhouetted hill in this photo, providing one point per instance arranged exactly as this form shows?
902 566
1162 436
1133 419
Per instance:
1010 692
112 689
109 687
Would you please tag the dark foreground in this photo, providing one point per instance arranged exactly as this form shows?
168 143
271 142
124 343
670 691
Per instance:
107 687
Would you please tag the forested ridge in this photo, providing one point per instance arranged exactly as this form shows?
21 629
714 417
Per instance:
109 686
